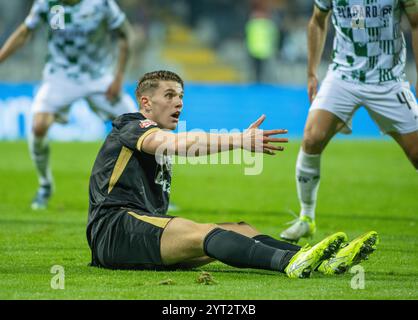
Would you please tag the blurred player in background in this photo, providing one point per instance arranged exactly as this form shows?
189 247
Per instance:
80 64
262 37
368 69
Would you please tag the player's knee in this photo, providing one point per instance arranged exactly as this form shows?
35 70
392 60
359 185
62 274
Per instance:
246 225
207 227
39 129
248 230
312 143
197 237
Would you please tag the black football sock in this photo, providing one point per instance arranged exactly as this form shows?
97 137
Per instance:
240 251
270 241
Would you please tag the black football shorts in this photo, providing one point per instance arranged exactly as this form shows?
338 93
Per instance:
129 239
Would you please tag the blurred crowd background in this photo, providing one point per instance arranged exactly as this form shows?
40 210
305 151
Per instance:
224 41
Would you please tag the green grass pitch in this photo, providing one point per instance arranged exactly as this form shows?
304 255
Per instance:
366 185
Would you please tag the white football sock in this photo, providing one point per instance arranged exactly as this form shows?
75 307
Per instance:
307 182
39 150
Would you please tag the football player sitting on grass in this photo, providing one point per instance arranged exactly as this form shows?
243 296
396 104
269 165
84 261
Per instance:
128 227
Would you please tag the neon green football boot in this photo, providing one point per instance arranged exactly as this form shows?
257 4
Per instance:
353 253
308 258
303 227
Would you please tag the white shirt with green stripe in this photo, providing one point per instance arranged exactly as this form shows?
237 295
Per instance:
80 46
369 46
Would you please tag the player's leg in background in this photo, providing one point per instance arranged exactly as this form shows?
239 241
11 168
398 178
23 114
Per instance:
51 103
409 144
39 150
99 104
395 110
108 110
320 127
331 111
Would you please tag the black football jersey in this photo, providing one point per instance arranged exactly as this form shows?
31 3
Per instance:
123 176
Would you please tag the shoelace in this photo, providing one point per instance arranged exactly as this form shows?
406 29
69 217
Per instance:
306 247
295 216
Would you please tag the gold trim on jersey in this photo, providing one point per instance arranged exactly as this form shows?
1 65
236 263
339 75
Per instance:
146 134
120 165
156 221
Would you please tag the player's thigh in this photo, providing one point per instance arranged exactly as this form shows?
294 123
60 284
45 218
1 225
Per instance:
193 263
182 240
53 100
330 112
108 110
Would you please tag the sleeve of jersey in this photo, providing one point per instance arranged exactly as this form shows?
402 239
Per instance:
411 6
132 135
323 5
115 16
38 12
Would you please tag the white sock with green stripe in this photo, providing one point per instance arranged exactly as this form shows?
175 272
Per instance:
39 150
307 182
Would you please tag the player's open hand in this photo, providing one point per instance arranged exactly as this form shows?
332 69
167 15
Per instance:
312 87
257 140
113 92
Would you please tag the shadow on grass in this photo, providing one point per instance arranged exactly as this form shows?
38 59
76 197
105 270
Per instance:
368 216
37 222
279 215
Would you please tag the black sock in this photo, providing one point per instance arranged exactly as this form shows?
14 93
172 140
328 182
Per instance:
240 251
276 243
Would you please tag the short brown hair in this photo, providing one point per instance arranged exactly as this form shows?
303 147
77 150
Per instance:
151 80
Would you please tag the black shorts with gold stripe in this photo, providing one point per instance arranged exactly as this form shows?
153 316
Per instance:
129 239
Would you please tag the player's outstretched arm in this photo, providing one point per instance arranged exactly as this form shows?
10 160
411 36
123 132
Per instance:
15 41
317 31
193 144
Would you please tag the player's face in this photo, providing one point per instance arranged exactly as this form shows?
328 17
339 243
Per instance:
166 104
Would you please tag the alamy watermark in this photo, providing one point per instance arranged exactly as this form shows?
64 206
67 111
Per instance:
57 21
358 281
58 280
